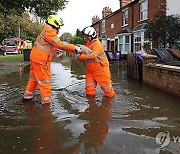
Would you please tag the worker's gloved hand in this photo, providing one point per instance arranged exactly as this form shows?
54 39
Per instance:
59 53
77 56
77 50
85 49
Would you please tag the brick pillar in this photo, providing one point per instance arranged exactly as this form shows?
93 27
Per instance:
147 59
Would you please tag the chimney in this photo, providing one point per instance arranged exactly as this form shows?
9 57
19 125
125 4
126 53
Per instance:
95 19
106 11
124 2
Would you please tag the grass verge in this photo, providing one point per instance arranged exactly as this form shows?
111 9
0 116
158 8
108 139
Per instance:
19 58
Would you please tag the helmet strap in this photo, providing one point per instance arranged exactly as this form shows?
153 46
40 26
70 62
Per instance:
53 26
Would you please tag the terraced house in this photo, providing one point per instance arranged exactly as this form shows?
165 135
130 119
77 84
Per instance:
123 30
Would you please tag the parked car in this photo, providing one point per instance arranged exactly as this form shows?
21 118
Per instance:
12 45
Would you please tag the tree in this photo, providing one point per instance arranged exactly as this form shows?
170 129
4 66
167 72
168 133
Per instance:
19 25
10 27
41 8
79 33
77 40
163 30
66 37
29 30
1 27
173 29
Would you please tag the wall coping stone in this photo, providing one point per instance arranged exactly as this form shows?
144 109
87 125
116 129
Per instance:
148 56
165 67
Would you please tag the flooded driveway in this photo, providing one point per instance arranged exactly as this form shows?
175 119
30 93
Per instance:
139 120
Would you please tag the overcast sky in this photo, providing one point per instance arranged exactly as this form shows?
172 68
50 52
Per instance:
78 13
173 7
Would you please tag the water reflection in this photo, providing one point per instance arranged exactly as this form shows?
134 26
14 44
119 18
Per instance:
46 138
74 123
96 127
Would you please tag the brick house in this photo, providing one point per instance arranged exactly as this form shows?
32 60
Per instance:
123 30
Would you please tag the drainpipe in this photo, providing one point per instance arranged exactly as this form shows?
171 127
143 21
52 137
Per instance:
132 35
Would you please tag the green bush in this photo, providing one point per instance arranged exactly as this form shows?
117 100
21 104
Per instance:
77 40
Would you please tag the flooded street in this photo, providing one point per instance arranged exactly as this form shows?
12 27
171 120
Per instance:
139 120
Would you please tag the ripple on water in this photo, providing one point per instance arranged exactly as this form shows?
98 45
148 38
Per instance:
160 119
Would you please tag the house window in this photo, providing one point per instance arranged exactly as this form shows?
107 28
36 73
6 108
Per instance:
121 43
140 40
112 25
144 10
124 43
103 26
125 17
137 41
127 44
104 42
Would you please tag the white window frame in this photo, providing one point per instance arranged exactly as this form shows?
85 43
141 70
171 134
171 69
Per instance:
103 25
142 41
122 45
104 43
143 11
125 17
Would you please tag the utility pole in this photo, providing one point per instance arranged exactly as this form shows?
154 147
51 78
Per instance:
19 32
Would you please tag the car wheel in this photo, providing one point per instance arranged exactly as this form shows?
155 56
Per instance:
4 53
20 51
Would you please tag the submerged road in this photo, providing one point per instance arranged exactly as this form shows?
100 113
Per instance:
139 120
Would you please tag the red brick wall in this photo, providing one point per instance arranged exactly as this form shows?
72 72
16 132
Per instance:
117 20
153 7
136 17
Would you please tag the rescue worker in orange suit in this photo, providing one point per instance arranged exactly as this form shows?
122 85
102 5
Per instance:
97 64
41 56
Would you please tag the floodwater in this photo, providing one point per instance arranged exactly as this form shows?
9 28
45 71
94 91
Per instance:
139 120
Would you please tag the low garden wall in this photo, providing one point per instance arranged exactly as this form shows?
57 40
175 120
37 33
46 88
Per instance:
164 77
132 66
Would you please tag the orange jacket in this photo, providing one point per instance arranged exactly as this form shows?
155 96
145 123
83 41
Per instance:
46 44
97 56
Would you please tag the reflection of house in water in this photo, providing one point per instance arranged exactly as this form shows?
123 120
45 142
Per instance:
124 29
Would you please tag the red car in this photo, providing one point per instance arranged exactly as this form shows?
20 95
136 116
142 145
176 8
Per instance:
12 45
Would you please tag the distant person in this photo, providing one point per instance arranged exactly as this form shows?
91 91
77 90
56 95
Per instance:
44 49
97 64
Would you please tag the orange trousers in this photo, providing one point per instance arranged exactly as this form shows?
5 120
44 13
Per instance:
39 76
103 80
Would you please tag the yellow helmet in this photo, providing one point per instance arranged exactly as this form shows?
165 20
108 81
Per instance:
55 21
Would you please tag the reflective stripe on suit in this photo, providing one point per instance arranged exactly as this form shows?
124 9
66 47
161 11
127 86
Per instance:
41 56
97 69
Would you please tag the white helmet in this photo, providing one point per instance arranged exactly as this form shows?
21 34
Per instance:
89 31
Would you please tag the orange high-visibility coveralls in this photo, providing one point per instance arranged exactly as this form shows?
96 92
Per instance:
97 69
40 58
